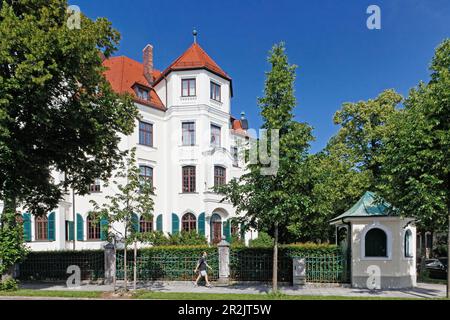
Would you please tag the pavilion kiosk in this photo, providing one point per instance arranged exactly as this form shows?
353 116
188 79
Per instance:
381 244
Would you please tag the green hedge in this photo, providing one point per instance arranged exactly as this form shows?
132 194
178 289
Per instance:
52 265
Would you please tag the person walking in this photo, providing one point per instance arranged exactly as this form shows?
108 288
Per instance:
201 267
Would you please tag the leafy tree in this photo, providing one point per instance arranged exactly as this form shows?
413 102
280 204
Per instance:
263 240
271 202
57 110
133 198
350 164
337 184
417 175
12 248
363 131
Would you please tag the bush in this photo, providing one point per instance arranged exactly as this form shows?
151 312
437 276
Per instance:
9 285
182 238
263 240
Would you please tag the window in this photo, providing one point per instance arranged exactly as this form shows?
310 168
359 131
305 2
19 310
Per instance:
41 228
216 228
146 174
188 137
219 176
189 179
146 134
376 243
235 155
188 222
215 135
188 88
142 93
96 186
215 91
408 244
145 225
93 228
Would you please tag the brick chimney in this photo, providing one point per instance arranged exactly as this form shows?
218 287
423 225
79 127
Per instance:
148 63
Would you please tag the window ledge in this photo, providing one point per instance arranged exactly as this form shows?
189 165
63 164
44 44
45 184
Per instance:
376 259
188 145
216 101
147 146
188 193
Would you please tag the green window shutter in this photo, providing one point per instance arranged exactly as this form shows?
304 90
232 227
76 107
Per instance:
227 230
201 224
159 223
242 227
175 223
104 229
27 227
135 223
51 227
71 227
80 227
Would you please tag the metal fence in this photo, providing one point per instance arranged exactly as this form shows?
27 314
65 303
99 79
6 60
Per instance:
53 265
258 267
164 267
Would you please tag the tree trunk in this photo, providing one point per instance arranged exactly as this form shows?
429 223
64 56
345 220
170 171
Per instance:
125 266
134 266
275 260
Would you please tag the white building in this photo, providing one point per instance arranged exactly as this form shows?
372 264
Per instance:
186 142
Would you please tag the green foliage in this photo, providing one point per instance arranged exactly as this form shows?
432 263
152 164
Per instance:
263 240
273 202
183 238
57 110
12 248
417 175
134 197
9 285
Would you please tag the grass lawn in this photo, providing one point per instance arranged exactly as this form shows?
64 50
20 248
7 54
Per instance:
178 295
52 294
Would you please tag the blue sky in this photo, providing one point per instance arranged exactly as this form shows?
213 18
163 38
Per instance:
339 59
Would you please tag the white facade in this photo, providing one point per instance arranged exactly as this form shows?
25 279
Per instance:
167 157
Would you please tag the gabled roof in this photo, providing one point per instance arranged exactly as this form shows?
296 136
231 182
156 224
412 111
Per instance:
124 73
194 58
369 205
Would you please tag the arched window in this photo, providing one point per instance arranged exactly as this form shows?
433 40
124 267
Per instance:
93 228
408 244
376 243
188 222
145 225
41 228
216 228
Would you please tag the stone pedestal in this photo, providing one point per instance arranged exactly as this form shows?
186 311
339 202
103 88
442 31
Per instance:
224 262
110 263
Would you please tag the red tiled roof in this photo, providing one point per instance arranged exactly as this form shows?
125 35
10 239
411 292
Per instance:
123 73
195 58
236 125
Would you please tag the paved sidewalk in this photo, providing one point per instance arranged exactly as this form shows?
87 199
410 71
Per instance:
422 290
